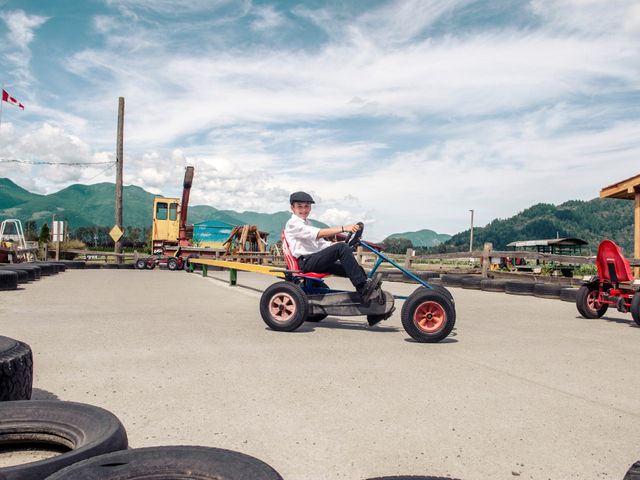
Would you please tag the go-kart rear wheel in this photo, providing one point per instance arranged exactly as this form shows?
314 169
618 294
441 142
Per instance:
428 315
140 264
587 302
173 264
635 308
284 306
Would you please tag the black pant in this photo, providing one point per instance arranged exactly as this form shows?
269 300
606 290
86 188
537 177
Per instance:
325 260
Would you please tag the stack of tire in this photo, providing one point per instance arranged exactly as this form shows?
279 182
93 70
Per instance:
14 274
92 440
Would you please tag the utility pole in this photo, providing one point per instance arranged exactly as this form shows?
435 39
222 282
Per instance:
119 162
471 236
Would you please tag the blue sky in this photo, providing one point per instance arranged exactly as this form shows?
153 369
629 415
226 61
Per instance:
404 114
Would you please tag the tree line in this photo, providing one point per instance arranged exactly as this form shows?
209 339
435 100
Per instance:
92 236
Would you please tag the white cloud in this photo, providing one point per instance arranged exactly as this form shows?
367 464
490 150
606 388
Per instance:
21 27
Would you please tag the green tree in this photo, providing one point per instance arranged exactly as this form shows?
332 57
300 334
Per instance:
396 245
44 234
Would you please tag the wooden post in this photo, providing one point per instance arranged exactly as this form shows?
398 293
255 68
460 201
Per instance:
636 233
119 160
486 258
408 258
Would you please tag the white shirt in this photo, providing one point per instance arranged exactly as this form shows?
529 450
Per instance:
302 237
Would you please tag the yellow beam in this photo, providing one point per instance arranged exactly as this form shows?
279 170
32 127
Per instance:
247 267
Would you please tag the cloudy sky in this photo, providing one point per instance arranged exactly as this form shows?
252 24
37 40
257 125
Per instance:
404 114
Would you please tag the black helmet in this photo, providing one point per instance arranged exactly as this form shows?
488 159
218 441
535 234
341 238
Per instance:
300 197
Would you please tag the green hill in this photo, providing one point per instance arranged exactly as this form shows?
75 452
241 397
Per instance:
93 205
423 238
592 220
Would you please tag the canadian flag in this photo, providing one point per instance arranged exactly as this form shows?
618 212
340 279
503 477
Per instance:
9 99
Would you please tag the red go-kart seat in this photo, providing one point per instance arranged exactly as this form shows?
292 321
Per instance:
612 266
292 262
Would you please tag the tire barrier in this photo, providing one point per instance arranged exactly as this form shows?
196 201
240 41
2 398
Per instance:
59 266
546 290
82 431
16 370
473 283
109 266
126 266
396 276
73 264
171 462
519 288
8 280
412 477
452 280
92 266
31 270
568 294
633 473
46 269
23 276
490 285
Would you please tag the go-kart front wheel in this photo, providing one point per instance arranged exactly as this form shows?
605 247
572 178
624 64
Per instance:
588 304
428 315
635 308
284 306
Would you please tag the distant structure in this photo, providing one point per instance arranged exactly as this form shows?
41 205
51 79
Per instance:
555 246
211 233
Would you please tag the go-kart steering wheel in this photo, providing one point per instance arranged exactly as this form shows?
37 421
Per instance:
352 242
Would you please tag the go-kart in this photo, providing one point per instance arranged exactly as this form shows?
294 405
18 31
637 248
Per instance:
428 314
613 286
149 263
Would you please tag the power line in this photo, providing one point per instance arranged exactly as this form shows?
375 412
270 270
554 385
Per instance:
75 164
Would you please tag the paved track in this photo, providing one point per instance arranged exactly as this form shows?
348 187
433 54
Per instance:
523 388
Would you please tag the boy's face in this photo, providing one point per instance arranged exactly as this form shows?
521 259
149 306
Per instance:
301 209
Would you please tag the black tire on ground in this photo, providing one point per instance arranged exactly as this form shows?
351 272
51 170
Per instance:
442 290
284 306
427 275
171 462
316 318
491 285
23 276
633 473
635 311
59 266
85 430
140 264
519 288
172 264
33 273
92 266
109 266
428 315
471 283
46 269
16 370
73 264
8 280
546 290
568 294
587 304
452 280
126 266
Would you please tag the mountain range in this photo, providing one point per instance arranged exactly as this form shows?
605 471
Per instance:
93 205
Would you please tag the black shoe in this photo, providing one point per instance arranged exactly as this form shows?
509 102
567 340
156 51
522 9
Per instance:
369 288
375 319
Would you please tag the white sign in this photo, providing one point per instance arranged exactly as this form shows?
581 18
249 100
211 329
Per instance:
57 232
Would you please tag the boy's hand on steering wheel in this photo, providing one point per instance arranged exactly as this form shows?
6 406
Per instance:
353 228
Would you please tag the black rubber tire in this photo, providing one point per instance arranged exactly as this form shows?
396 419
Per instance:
169 463
140 264
23 276
46 269
87 431
92 266
472 283
635 309
74 264
519 288
290 295
59 266
316 318
441 289
633 473
582 302
33 273
546 290
8 280
568 294
125 266
172 264
438 301
491 285
16 370
452 280
109 266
